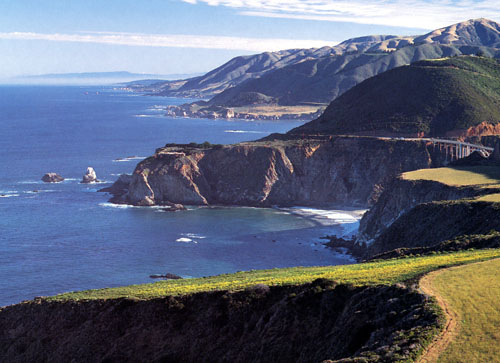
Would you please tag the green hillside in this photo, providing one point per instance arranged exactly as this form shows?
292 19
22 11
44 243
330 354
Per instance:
385 272
305 76
322 80
432 96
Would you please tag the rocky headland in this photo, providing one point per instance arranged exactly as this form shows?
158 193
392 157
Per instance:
419 214
278 170
252 112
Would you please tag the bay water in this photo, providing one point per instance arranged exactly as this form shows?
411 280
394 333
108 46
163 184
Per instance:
66 236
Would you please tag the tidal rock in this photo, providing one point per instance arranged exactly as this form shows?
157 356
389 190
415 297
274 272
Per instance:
90 176
52 178
167 276
173 207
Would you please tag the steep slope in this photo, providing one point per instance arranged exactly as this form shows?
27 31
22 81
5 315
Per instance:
471 32
342 170
428 224
322 80
426 207
305 323
240 69
324 76
436 97
236 71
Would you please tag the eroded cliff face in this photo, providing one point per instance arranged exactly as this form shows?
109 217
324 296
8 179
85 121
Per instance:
428 224
401 196
338 170
308 323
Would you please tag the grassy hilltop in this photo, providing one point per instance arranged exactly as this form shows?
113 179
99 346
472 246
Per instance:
433 96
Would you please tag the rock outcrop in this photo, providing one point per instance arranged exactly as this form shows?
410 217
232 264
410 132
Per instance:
309 323
52 178
277 171
119 187
495 155
431 223
90 176
400 197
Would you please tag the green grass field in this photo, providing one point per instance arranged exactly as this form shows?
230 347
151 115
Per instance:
473 293
374 273
483 176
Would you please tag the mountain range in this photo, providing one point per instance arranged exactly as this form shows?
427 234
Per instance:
317 76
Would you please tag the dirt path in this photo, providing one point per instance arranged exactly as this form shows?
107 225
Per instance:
441 342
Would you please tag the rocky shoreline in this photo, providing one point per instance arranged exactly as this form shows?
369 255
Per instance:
274 171
220 112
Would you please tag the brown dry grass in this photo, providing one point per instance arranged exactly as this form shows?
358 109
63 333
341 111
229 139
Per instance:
275 110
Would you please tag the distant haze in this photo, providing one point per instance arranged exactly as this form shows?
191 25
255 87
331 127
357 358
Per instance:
91 78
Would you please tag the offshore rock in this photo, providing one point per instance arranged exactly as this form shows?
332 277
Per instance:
90 176
278 170
52 178
168 276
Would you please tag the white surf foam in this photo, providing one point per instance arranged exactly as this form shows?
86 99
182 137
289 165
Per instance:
5 195
125 206
39 191
327 217
146 116
245 132
128 158
193 235
117 206
184 240
157 108
31 182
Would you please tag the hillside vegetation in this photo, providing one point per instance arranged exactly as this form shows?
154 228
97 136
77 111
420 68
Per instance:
435 97
322 80
481 176
304 76
473 294
375 273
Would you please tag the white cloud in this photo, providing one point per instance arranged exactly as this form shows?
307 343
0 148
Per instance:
175 41
427 14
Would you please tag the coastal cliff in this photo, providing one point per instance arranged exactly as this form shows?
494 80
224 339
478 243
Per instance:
277 170
429 224
306 323
400 197
425 208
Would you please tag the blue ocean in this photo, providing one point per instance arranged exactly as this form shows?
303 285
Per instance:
65 237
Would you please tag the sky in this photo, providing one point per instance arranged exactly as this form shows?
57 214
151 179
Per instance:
194 36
